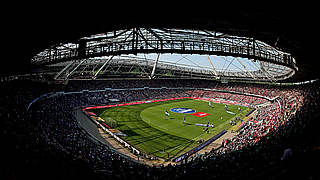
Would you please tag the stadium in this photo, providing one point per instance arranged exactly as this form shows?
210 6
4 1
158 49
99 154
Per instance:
232 96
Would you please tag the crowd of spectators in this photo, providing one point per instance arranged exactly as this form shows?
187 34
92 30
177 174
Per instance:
228 96
46 141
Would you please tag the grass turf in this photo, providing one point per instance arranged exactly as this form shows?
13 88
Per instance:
149 130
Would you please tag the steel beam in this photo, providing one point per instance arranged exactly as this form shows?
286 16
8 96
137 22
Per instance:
212 66
246 69
267 74
154 40
75 68
65 68
104 64
170 41
154 66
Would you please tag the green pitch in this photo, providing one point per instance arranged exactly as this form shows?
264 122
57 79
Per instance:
152 132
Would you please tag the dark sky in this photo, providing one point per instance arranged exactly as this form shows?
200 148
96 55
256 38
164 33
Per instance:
27 30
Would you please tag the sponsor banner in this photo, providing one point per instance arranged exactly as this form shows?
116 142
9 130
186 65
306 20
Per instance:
105 127
183 110
120 134
133 103
91 113
159 100
196 149
200 114
231 112
223 101
204 125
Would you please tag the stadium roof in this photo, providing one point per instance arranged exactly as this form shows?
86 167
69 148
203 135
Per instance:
282 28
